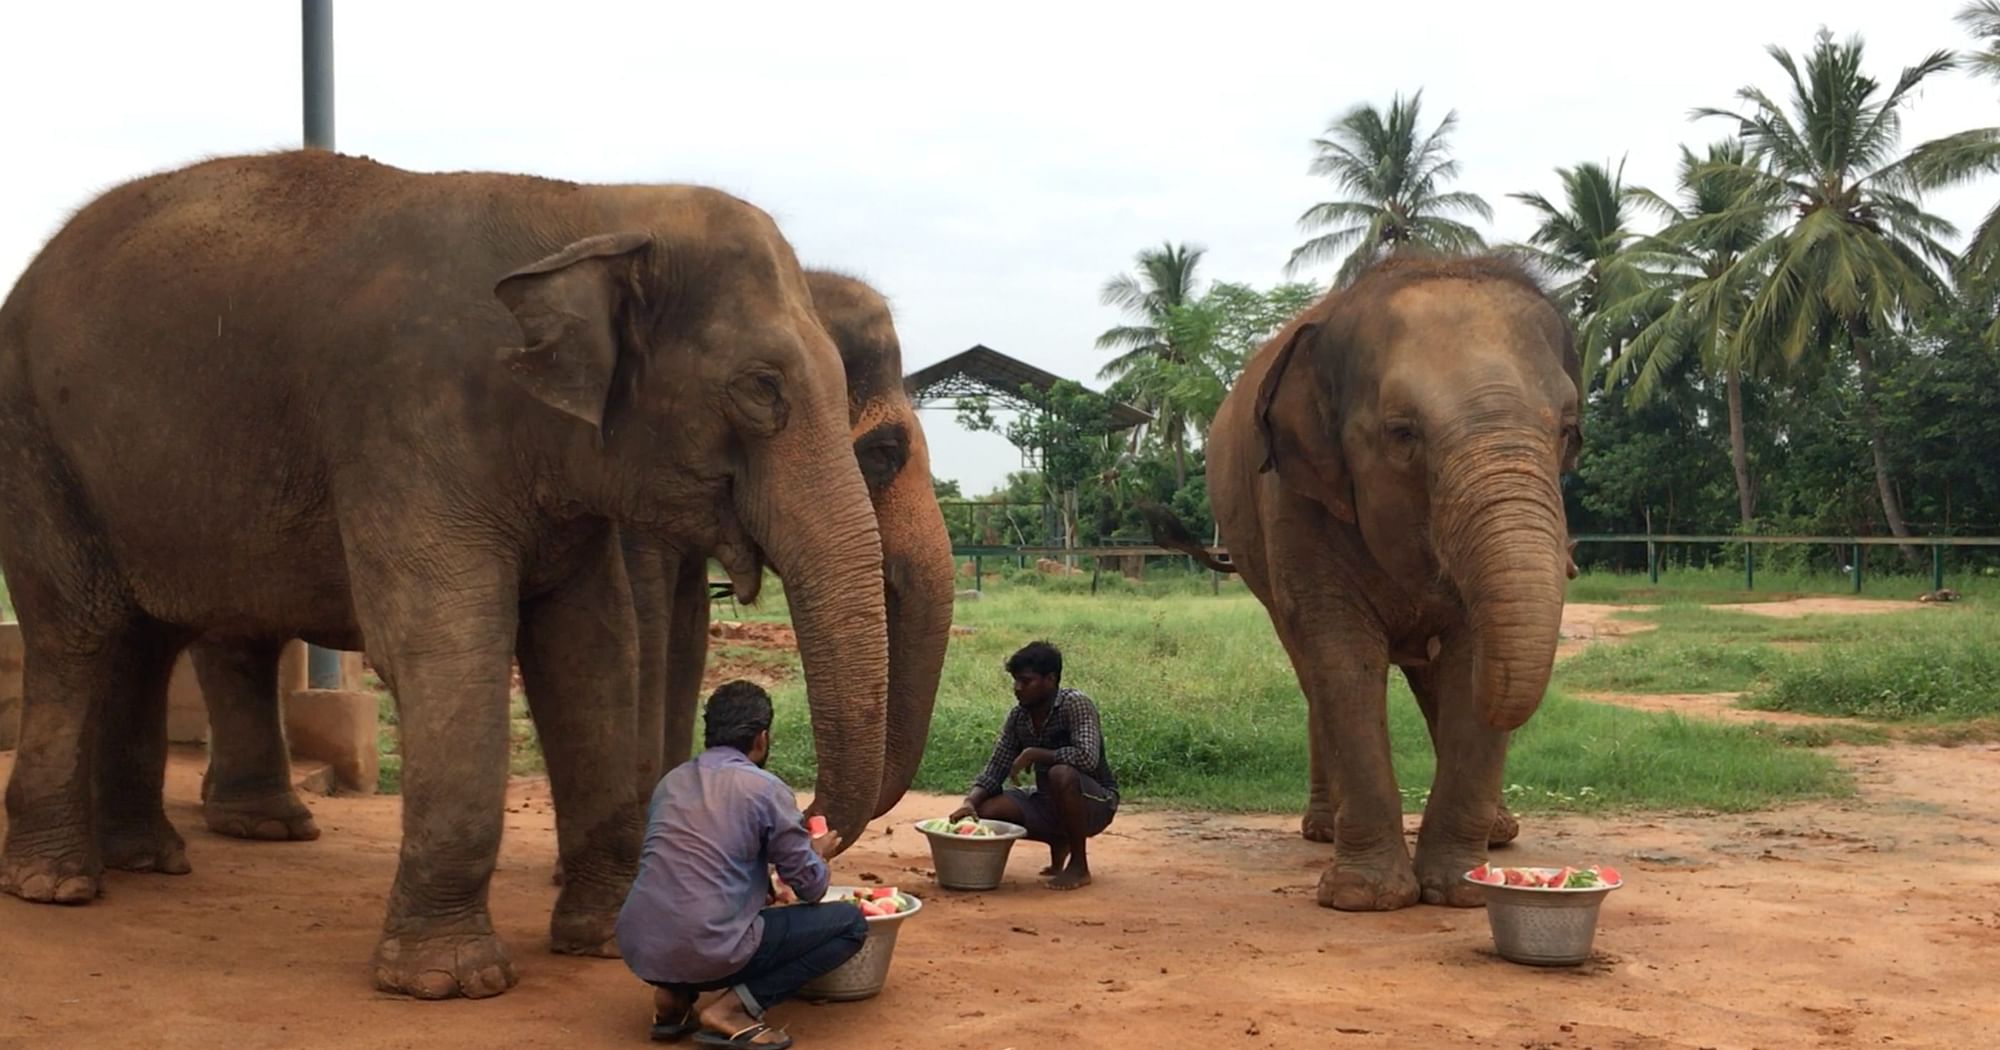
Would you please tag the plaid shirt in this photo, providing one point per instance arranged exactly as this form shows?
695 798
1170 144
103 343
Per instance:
1070 729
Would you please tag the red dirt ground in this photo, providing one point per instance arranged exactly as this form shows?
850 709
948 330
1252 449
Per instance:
1868 922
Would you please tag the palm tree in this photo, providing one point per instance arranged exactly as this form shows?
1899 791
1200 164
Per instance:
1855 257
1698 276
1165 282
1582 243
1958 158
1394 177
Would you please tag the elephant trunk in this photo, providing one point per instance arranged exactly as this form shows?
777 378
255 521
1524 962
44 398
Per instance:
1500 538
920 591
809 511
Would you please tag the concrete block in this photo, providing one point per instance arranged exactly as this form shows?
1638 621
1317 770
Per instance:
10 684
337 727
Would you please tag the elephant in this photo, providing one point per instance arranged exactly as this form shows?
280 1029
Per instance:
670 593
247 790
412 413
1385 477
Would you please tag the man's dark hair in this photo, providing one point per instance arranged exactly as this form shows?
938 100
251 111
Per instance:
736 712
1038 658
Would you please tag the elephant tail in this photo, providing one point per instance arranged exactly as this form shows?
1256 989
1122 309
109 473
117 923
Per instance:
1168 532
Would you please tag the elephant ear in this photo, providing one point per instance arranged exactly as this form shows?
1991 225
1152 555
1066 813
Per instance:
1299 427
571 308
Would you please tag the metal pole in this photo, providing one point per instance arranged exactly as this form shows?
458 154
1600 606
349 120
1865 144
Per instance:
1652 561
978 583
316 36
1749 567
316 63
1857 568
1937 567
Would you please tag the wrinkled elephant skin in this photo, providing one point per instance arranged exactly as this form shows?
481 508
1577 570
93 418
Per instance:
411 413
1385 477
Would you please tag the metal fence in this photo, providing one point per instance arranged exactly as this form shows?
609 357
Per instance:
1655 545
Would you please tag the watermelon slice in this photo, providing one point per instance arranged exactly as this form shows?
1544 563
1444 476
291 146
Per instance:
816 825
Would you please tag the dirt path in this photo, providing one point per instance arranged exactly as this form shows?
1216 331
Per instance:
1867 922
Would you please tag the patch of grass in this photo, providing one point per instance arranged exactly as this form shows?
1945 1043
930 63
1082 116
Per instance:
1946 669
1953 734
1723 585
1202 709
1664 662
1820 735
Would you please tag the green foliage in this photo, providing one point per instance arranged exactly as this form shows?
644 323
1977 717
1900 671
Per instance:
1944 668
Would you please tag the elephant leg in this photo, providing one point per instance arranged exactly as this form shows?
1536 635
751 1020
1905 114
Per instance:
1343 668
247 792
133 832
441 645
1465 791
1505 825
579 662
687 659
74 674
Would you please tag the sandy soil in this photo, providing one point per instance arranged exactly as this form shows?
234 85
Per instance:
1868 922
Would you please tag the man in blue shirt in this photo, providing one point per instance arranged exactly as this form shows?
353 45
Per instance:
1056 732
696 919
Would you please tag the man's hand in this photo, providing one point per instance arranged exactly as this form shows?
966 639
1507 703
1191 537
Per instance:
826 844
962 812
1034 756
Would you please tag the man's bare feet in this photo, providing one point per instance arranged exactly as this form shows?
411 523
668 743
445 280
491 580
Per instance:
1058 856
725 1016
673 1015
1074 877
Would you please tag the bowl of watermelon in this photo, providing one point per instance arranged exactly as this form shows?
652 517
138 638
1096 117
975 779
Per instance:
866 971
970 854
1544 916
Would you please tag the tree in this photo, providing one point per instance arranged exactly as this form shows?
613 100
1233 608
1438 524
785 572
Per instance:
1069 429
1961 157
1394 177
1165 281
1217 334
1697 277
1582 242
1852 262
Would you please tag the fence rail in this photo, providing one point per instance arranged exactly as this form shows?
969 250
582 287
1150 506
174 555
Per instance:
1653 541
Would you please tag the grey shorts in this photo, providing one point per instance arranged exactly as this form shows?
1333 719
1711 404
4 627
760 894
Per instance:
1038 810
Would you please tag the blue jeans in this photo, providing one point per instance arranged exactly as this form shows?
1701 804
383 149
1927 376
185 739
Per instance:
800 943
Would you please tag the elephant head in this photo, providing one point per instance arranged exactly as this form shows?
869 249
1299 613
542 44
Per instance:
916 548
1433 405
710 406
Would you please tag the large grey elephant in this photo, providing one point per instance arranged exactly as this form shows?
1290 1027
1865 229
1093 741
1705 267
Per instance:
247 792
1385 477
308 395
888 441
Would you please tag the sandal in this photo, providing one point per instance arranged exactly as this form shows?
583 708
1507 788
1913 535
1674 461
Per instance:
745 1038
665 1031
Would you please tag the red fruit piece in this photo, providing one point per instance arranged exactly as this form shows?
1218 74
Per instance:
1608 873
815 826
884 891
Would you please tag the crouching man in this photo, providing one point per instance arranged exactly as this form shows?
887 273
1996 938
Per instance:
1054 731
695 925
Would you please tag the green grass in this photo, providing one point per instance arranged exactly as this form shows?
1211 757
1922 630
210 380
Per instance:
1944 669
1721 585
1201 709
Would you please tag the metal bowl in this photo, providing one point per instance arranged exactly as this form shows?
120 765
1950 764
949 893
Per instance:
966 862
864 972
1540 926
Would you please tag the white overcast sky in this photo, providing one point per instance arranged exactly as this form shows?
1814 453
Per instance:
986 165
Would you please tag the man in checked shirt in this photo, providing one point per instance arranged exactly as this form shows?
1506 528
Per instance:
1055 731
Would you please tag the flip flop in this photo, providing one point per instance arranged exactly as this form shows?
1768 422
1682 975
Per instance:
670 1031
745 1038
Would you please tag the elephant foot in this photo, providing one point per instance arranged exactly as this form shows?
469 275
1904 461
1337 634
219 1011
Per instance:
1506 827
1369 885
47 880
270 818
1317 827
1442 875
585 920
584 933
146 846
447 966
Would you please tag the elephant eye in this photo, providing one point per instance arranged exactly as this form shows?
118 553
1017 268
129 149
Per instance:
1402 431
881 454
